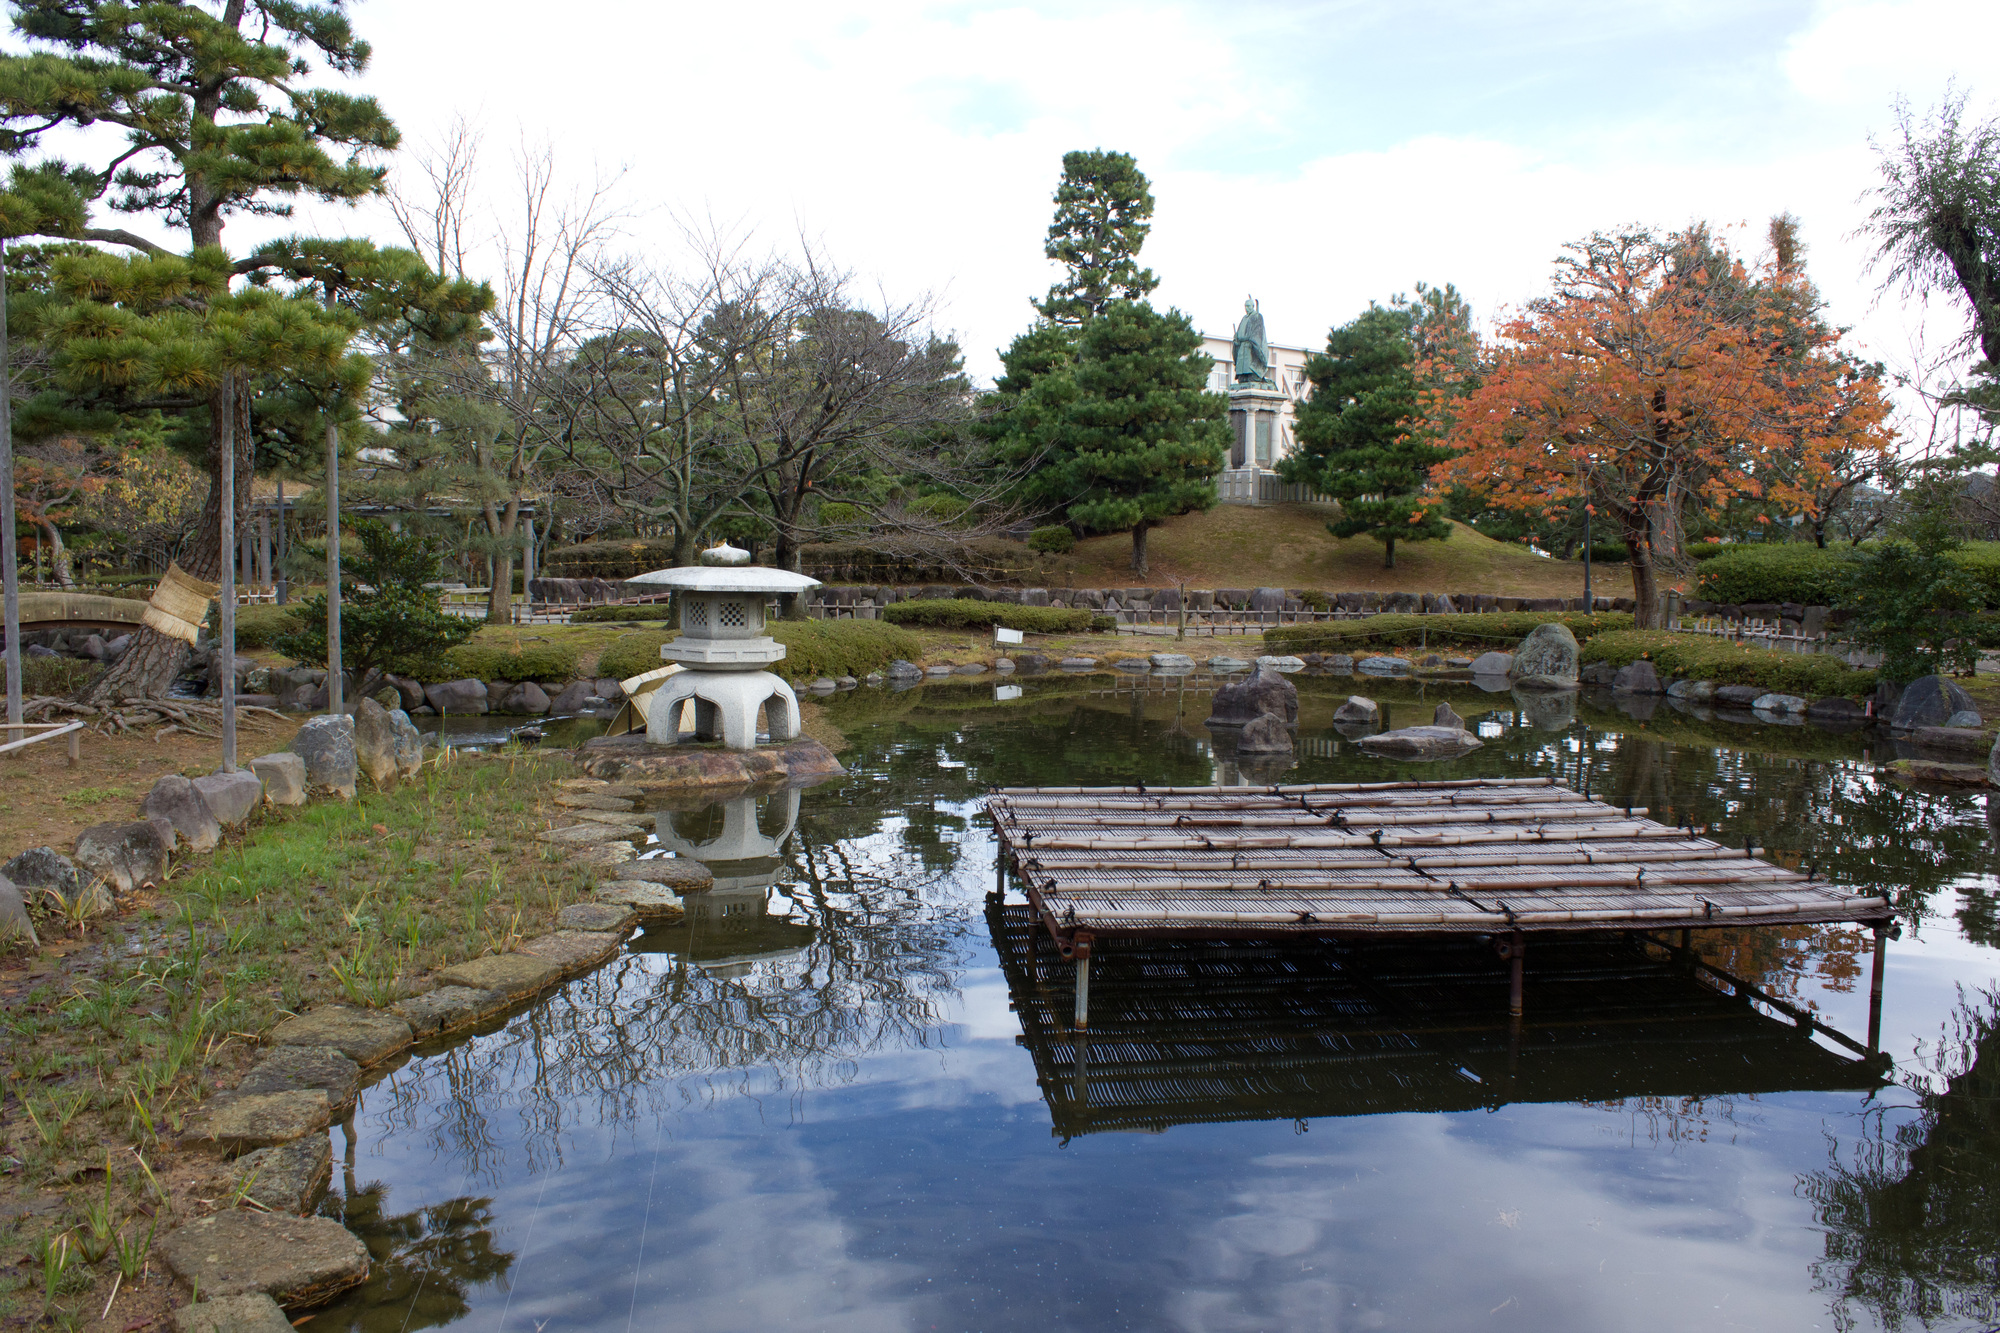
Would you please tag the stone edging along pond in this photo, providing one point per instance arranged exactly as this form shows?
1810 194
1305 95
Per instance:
244 1265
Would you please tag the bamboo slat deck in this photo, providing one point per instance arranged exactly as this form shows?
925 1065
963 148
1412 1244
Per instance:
1482 855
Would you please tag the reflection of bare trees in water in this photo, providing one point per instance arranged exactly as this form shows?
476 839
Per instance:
1913 1218
423 1265
652 1033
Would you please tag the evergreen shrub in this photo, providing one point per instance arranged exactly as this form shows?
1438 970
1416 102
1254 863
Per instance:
1782 572
611 615
963 613
1701 657
530 661
1054 539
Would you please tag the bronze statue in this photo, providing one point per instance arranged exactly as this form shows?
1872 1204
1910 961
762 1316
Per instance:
1253 350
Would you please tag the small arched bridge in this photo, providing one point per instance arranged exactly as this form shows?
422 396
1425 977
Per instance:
79 610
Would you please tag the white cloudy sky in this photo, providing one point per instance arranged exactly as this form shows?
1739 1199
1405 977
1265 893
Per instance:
1316 154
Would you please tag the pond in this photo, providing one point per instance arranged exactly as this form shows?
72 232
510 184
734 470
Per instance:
841 1094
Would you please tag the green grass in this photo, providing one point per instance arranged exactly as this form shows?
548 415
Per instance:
1483 630
1700 657
813 648
544 660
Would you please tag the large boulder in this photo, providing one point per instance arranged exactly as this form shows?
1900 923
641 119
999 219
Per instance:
127 856
1492 664
1546 659
573 697
327 746
1929 701
174 799
1637 678
1244 701
375 744
283 777
457 696
1421 743
526 698
409 744
230 797
45 869
14 919
1264 735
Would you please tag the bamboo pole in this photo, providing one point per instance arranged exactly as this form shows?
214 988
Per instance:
1130 918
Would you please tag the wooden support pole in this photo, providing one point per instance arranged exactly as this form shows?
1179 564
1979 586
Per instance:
1875 987
1687 938
1082 989
1517 949
225 646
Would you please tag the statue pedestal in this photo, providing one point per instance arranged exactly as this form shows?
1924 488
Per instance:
1255 411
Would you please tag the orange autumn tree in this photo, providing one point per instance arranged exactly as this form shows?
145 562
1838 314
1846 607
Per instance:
1660 375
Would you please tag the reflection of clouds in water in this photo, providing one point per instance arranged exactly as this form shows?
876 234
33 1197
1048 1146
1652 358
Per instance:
1492 1231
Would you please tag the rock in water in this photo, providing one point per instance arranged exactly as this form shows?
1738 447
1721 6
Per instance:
1637 678
1264 735
1546 659
45 868
1929 701
1358 708
1242 702
457 696
283 776
526 698
1965 717
375 744
128 856
1492 664
1993 762
1421 743
1445 717
327 746
174 799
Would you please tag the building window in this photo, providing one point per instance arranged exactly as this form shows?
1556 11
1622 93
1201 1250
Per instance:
1263 439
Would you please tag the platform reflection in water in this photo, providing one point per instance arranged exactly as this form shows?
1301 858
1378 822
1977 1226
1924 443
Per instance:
1187 1032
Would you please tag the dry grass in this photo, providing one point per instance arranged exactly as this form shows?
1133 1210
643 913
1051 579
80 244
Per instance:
1288 546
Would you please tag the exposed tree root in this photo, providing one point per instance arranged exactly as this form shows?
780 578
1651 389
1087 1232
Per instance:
190 716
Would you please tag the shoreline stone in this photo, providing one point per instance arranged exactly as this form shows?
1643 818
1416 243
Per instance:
508 974
252 1313
362 1035
448 1008
295 1260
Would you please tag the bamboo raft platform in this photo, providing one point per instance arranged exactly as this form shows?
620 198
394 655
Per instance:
1493 856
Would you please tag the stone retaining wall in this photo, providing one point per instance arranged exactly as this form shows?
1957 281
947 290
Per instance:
1264 601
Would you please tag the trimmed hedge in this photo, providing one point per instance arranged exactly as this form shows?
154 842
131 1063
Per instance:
1479 629
56 675
1699 657
602 615
533 661
260 626
964 613
813 648
1786 572
1052 540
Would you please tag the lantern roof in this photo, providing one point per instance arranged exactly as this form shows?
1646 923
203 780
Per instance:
727 578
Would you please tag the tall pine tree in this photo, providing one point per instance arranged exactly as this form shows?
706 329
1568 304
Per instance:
1364 437
1127 436
217 122
1102 211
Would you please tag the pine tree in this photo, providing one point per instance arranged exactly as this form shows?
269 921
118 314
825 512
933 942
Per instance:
1102 207
216 123
1129 434
1361 435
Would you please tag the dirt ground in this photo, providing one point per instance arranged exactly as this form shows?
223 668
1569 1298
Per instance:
45 803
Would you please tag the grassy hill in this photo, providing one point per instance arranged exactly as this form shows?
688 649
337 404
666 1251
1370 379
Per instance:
1288 546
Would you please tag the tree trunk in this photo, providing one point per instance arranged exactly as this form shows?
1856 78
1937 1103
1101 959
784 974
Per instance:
1139 565
58 553
1388 553
500 596
150 665
1645 585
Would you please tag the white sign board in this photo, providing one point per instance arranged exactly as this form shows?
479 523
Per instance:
1006 635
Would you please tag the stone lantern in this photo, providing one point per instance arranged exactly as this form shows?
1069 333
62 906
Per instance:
723 652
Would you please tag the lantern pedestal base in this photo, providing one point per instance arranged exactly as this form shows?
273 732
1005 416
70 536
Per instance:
725 708
707 768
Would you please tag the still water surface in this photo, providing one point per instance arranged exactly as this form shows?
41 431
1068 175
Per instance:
841 1095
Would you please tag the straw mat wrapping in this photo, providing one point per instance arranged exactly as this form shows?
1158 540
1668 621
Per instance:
179 605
